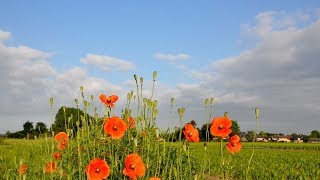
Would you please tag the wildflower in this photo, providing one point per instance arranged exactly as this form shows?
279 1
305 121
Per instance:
191 133
221 127
115 127
63 140
154 178
134 166
50 167
23 169
57 155
108 101
234 144
130 122
97 169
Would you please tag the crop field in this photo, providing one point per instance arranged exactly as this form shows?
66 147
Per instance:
270 161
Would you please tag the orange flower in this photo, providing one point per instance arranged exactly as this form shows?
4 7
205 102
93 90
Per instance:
130 122
63 140
154 178
115 127
23 169
234 144
50 167
97 169
191 133
134 166
57 155
221 127
108 101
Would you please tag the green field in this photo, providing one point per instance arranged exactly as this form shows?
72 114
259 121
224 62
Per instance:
270 161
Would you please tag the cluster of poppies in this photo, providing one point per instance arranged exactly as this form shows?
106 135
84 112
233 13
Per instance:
220 127
116 128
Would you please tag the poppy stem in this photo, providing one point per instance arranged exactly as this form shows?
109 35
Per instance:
254 137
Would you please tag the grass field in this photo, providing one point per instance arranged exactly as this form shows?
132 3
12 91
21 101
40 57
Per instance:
270 161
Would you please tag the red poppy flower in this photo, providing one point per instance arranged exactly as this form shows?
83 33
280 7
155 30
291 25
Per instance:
115 127
108 101
130 122
154 178
221 127
50 167
191 133
134 166
23 169
63 140
97 169
57 155
234 144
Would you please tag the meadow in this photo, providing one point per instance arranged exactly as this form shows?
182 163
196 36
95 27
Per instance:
130 145
271 160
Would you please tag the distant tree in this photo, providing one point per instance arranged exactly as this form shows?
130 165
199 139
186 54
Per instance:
315 134
263 134
40 128
193 122
235 128
250 136
204 134
62 119
28 127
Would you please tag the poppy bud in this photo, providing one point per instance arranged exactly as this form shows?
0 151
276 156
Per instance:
135 78
145 100
155 104
154 75
206 102
95 109
257 112
96 115
85 103
172 101
212 102
141 80
157 133
76 101
226 114
81 88
135 141
149 103
91 97
128 96
51 101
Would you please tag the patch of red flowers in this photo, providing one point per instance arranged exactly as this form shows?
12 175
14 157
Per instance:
97 169
191 133
234 144
108 101
57 155
23 169
130 122
134 166
115 127
221 127
63 140
50 167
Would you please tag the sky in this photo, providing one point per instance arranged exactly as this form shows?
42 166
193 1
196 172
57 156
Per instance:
244 54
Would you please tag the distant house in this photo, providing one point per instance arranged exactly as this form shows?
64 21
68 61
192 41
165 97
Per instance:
262 139
279 138
297 139
314 140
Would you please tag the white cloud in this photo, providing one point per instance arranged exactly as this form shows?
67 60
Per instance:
107 63
4 35
28 80
171 57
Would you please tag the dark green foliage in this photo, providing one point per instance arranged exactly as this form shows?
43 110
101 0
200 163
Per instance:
235 128
28 127
204 134
69 118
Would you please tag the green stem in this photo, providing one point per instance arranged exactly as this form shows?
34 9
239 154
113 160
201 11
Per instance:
254 137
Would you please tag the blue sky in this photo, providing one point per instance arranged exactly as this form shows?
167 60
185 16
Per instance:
191 44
